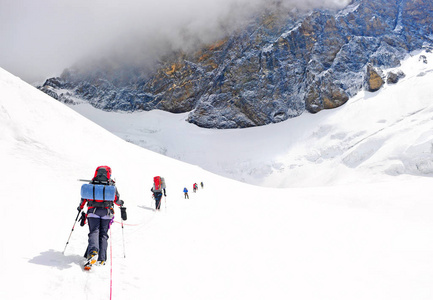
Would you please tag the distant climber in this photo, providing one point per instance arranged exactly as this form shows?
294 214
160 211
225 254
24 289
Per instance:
157 190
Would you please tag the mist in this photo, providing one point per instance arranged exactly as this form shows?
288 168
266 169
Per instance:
39 39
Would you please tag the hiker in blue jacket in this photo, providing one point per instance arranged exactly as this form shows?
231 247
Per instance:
185 192
100 215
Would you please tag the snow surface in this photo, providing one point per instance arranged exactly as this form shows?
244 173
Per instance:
387 132
351 219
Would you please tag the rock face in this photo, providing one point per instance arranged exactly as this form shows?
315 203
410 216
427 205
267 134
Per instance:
374 79
276 68
394 77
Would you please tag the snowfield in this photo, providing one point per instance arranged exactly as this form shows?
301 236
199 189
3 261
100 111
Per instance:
387 132
333 206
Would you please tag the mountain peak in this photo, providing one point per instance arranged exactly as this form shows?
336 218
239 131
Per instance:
279 66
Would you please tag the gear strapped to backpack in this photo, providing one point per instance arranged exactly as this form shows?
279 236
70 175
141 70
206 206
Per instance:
98 192
101 191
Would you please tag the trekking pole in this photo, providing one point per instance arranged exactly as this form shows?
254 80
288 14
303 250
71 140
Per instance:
123 238
111 264
123 217
75 222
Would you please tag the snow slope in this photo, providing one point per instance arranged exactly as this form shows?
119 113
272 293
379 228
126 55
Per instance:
389 131
369 238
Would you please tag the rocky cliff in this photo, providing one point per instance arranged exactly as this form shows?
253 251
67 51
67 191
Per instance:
280 65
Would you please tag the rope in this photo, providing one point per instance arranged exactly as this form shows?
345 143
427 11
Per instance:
111 251
129 224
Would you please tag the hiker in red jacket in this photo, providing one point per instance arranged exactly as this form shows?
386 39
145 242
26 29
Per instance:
100 215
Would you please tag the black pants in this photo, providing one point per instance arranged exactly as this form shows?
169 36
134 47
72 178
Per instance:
158 197
99 223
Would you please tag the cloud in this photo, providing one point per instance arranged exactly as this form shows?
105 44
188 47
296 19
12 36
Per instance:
41 38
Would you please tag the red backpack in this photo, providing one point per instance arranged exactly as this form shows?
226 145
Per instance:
158 183
102 175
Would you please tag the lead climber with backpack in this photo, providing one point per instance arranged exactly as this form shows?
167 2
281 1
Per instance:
157 189
100 195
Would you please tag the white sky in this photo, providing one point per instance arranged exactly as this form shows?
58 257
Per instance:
41 38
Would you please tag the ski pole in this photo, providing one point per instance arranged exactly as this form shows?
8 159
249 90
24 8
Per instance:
75 222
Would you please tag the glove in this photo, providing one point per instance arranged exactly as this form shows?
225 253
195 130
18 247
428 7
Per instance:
120 202
83 219
79 208
123 213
